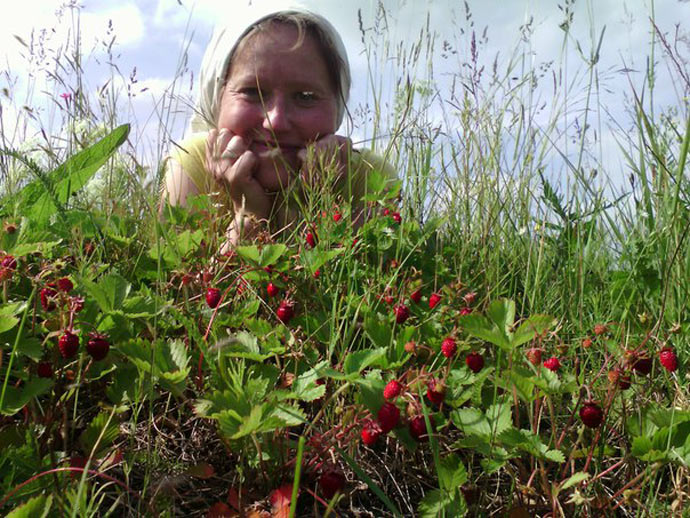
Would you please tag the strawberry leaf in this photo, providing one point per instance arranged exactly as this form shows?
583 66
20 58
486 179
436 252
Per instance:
441 503
531 328
37 507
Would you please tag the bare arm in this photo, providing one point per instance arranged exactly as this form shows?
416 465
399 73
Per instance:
177 185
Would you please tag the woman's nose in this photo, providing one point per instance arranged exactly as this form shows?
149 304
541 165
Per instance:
277 116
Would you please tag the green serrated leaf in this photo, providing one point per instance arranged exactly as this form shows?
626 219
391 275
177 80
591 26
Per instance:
7 322
242 345
271 254
315 258
451 472
574 479
30 347
109 292
472 421
37 507
305 387
249 253
101 424
499 417
179 353
16 398
379 331
357 361
440 504
532 327
555 456
483 328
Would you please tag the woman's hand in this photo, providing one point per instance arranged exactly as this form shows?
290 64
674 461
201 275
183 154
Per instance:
231 163
328 154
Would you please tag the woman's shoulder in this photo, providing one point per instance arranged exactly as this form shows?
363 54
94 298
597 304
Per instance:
190 153
370 170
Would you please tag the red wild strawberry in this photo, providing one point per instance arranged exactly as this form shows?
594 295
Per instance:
643 365
396 217
434 299
386 212
310 238
370 432
591 414
475 362
272 289
449 347
668 359
388 417
619 377
65 285
411 347
600 329
553 364
68 344
392 389
48 298
389 299
213 297
534 355
285 311
469 298
8 262
465 311
587 343
436 391
331 482
76 304
44 370
337 217
5 274
401 313
317 274
98 346
417 428
416 296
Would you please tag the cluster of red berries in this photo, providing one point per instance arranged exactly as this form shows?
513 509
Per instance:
58 292
388 418
97 346
8 265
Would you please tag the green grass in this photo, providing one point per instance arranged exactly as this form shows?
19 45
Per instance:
192 400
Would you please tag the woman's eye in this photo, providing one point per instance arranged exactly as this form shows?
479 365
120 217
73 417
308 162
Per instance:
306 96
252 93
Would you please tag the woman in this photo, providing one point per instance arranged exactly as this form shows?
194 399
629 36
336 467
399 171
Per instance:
272 96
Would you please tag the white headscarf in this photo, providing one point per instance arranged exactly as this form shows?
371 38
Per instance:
216 60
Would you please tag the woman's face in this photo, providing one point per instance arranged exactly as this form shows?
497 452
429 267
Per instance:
280 98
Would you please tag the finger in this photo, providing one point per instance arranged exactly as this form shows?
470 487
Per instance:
234 148
241 172
211 138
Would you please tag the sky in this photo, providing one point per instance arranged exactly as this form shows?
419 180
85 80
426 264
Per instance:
152 48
